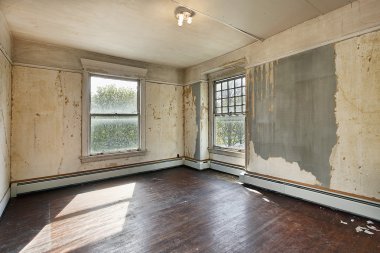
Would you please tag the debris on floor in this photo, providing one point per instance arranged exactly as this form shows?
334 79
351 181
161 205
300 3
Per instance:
345 223
368 232
367 229
373 228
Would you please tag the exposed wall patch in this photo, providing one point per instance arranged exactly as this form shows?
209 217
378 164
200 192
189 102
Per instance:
279 167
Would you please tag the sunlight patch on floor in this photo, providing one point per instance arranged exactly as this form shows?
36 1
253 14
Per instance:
89 217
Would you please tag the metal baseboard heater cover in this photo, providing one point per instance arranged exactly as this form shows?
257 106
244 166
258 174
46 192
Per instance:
90 176
361 207
337 201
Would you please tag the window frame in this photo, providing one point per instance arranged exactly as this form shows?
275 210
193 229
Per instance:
86 109
212 114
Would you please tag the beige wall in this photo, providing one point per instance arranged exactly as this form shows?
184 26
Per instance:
46 124
5 106
355 158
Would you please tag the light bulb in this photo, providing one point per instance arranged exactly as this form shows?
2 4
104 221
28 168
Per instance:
180 19
189 20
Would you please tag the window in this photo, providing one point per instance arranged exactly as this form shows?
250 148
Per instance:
114 115
113 111
229 113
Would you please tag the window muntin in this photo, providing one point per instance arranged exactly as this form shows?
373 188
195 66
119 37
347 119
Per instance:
114 115
229 113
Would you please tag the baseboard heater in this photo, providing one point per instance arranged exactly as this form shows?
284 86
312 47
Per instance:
357 206
90 176
214 165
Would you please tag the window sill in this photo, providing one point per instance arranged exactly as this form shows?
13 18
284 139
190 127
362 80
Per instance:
227 152
111 156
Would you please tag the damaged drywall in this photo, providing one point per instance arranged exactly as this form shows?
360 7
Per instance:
46 127
196 120
355 159
190 122
5 123
293 122
47 115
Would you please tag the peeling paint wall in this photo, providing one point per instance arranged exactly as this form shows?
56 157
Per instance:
5 123
46 127
196 120
190 122
293 114
351 161
5 107
315 117
355 159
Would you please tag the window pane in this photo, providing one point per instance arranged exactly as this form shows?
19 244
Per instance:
229 132
109 95
218 86
238 100
218 95
225 102
218 103
238 82
238 92
224 86
231 84
225 110
231 101
114 134
225 93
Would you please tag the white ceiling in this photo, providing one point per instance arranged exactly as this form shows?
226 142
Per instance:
146 30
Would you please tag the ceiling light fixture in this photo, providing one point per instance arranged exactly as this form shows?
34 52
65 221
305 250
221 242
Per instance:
183 14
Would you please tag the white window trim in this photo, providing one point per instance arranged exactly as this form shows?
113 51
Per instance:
91 67
212 78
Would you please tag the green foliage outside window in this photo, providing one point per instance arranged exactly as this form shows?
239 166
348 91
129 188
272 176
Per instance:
111 132
229 132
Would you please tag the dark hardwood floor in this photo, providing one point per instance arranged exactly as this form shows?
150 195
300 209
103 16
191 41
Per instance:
176 210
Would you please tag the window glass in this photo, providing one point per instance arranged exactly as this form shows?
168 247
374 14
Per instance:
114 115
229 113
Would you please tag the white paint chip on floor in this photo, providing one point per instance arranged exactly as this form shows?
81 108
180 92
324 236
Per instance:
373 228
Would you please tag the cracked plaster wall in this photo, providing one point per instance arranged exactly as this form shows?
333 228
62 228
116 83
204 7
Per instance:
46 127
